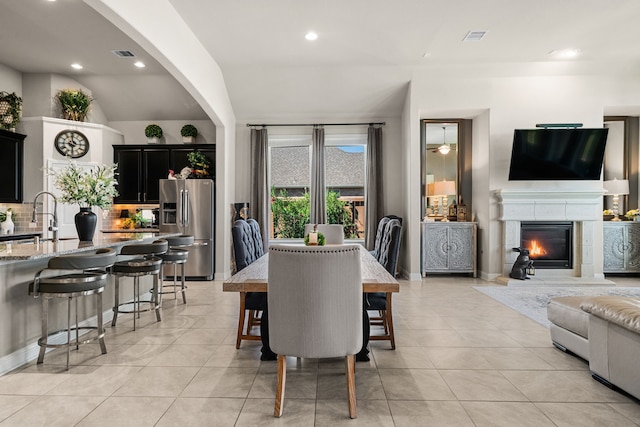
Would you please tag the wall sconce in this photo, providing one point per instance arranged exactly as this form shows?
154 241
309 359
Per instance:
616 188
124 213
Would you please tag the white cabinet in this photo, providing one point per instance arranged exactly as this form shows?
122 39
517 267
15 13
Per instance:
448 247
621 246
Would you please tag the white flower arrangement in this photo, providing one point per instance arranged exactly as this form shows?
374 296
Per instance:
86 187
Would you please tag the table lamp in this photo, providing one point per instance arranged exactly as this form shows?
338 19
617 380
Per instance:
444 188
615 188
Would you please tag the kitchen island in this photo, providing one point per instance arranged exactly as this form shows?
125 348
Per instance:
20 313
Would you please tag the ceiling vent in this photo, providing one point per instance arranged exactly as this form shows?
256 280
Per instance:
124 53
474 36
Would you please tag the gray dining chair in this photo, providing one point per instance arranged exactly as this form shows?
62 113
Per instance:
333 233
315 308
247 248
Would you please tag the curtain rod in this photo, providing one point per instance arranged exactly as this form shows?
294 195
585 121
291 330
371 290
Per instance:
319 124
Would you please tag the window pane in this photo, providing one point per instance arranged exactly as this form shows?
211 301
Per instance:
290 180
344 179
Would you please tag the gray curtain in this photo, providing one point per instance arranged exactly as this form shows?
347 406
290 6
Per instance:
373 180
259 199
318 214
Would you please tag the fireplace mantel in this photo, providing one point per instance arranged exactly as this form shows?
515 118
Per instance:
583 207
541 205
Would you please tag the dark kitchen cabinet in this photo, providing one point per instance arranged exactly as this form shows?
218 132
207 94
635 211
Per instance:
12 166
139 171
141 167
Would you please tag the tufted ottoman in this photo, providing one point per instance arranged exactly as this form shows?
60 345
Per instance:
569 325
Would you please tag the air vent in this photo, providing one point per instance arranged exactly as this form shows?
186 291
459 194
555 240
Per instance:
124 53
474 36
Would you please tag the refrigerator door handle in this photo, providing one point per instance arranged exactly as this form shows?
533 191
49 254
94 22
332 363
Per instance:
186 208
181 210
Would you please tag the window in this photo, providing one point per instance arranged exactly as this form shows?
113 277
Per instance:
345 162
289 180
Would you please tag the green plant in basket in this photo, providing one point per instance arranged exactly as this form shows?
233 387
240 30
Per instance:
74 104
321 239
10 110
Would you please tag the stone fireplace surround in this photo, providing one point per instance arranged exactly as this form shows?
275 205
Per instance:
583 208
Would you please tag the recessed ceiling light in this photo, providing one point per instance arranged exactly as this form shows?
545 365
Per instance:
565 53
311 36
76 66
139 64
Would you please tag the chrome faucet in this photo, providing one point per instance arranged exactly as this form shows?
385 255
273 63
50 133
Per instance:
53 222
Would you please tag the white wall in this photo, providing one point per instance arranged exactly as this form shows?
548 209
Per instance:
10 80
498 106
133 131
40 90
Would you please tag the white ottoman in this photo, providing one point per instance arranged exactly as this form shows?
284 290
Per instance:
569 325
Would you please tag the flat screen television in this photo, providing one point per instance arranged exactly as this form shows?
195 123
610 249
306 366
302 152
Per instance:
557 154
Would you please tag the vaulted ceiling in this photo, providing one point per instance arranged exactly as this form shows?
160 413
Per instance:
359 67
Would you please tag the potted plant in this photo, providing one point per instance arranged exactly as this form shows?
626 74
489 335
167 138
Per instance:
200 164
74 104
10 110
86 187
189 133
153 133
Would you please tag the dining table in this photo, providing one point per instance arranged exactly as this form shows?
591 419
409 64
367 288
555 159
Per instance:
375 278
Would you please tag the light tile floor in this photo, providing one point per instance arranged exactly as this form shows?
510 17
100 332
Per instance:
462 359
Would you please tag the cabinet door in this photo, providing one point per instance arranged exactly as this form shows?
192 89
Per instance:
11 165
437 242
129 174
633 247
156 167
460 248
614 247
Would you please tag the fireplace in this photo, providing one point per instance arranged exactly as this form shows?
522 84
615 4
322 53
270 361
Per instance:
581 208
550 244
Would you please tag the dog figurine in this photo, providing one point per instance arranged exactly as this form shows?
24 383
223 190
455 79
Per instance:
523 262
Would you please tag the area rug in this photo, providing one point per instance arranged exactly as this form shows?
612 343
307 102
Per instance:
532 301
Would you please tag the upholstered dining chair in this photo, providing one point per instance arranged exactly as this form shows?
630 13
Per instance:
333 233
315 308
382 224
381 301
247 247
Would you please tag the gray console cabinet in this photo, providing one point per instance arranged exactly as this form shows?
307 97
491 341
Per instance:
448 247
621 246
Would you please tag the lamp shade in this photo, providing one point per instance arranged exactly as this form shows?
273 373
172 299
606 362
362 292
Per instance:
444 188
124 213
616 186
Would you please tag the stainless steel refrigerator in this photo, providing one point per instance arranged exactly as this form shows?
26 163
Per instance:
187 206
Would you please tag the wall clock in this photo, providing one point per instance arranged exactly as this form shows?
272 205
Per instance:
71 143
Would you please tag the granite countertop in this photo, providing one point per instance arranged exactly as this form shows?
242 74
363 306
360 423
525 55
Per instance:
47 249
132 230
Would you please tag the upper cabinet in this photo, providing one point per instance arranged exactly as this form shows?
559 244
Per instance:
141 167
12 166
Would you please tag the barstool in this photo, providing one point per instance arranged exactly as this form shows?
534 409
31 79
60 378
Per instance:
86 275
177 254
148 263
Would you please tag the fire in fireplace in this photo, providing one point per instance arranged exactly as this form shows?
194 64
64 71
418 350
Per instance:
550 243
